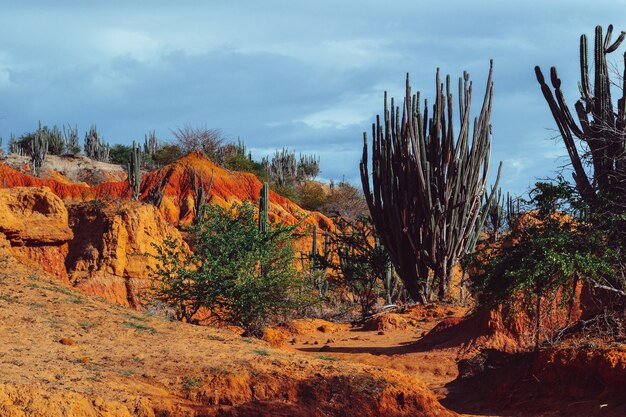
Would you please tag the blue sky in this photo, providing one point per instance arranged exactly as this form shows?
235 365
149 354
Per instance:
307 75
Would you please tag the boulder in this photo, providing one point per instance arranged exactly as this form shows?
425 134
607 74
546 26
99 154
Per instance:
35 223
110 253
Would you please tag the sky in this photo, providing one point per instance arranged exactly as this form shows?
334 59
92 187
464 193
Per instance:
307 75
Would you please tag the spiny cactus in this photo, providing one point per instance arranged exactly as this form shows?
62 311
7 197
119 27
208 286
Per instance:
496 213
70 137
264 208
283 168
201 195
56 143
428 183
39 150
600 127
134 171
95 147
150 144
308 167
14 146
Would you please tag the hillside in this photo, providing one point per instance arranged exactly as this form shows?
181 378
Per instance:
174 180
64 353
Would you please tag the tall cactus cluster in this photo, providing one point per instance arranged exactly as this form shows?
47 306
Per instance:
95 147
39 150
600 127
70 138
283 167
308 167
150 144
134 171
427 183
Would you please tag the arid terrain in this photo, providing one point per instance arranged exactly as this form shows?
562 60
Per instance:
77 340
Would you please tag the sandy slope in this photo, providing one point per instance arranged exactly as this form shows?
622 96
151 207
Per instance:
65 353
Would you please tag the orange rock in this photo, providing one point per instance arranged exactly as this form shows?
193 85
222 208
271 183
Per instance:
35 222
110 253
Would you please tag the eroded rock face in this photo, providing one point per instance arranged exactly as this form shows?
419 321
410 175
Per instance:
35 222
109 255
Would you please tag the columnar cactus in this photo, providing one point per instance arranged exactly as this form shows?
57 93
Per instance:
600 127
264 202
150 144
95 147
39 150
134 171
428 183
56 142
70 137
201 195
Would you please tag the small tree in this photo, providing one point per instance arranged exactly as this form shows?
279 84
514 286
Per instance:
242 275
362 262
189 139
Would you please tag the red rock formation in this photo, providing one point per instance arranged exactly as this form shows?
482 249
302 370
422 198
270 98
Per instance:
175 180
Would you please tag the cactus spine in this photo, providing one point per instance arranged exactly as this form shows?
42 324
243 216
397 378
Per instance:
134 171
264 208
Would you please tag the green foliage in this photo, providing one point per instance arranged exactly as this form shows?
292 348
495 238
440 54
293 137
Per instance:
311 195
119 154
242 275
545 256
363 263
166 154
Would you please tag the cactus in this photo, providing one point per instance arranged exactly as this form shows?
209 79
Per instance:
150 145
39 150
428 183
264 202
283 168
56 142
95 147
308 167
14 146
600 128
134 171
201 196
70 138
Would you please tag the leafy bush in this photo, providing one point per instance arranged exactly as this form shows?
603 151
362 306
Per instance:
311 195
243 276
363 264
546 255
119 154
166 154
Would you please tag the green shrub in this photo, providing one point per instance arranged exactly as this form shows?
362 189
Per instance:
311 195
243 276
545 256
119 154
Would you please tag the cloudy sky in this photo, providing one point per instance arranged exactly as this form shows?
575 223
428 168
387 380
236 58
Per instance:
309 75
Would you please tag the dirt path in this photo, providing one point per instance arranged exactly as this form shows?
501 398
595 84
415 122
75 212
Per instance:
396 348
